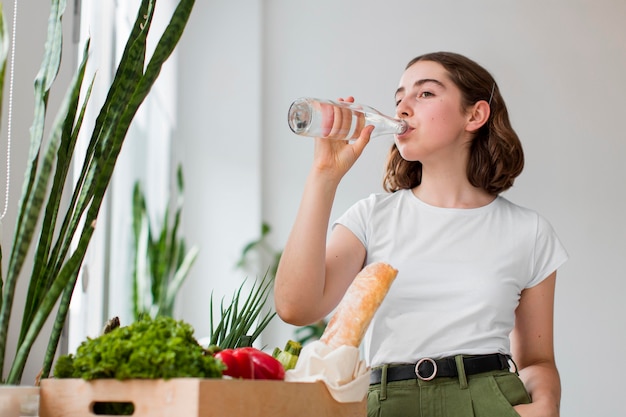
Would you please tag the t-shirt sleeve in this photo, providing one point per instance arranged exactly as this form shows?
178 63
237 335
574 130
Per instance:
356 219
549 253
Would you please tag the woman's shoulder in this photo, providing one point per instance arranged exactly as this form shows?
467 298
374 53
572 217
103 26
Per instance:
520 212
383 199
393 196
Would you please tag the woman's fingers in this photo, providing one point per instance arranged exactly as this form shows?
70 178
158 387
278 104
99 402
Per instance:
341 121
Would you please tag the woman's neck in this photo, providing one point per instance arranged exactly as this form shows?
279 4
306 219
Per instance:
450 188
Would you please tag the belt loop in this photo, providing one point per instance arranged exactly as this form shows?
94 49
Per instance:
460 368
512 362
383 382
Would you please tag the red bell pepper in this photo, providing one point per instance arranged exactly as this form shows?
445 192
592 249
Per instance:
265 365
238 364
250 363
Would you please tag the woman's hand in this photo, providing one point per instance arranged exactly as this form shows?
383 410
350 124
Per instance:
334 155
536 410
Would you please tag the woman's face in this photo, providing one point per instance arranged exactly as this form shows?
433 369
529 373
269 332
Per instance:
431 105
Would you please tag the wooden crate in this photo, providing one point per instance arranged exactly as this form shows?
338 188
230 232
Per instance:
191 397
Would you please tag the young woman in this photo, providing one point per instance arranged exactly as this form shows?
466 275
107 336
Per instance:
467 326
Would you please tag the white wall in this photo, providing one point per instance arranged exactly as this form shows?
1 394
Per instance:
218 140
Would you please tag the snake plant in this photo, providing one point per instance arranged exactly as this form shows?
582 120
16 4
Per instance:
54 235
162 261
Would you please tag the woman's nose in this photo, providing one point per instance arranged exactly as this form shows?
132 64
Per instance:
403 109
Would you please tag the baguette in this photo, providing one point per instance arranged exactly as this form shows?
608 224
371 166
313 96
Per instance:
356 309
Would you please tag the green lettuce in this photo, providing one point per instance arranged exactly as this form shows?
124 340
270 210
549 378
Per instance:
160 348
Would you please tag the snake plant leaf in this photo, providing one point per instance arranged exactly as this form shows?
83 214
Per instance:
160 259
4 51
60 151
141 237
55 260
69 270
30 203
176 283
42 85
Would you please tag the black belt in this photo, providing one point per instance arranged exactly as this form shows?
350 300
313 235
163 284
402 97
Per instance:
427 369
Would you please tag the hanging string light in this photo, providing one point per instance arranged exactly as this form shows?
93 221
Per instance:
10 114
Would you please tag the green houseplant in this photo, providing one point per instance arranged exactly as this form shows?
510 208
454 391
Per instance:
57 236
161 259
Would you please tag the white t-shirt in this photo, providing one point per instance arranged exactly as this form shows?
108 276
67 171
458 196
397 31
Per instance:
460 273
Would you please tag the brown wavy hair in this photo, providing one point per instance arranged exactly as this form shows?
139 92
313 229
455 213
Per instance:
496 157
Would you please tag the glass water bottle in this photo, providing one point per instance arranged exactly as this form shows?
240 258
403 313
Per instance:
339 120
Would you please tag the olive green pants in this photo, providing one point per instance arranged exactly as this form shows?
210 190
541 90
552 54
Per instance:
490 394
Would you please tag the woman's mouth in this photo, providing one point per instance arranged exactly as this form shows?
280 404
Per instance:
406 133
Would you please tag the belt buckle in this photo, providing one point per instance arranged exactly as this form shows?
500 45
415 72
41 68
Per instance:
417 369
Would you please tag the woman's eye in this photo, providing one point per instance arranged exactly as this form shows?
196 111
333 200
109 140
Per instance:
422 94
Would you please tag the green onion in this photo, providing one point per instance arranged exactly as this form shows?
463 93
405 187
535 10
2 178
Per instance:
238 319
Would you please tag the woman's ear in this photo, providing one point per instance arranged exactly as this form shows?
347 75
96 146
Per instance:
478 116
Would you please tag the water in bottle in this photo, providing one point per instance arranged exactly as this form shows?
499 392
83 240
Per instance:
339 120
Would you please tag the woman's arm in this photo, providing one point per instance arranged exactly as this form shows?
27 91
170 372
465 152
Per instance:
312 275
311 279
533 349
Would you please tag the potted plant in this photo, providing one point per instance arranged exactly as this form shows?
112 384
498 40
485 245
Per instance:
56 235
161 259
